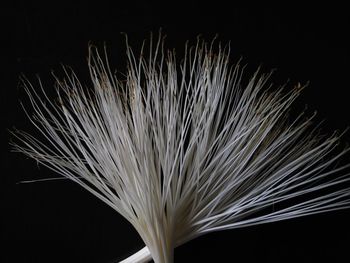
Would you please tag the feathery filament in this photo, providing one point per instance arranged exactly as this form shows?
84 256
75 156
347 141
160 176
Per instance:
183 149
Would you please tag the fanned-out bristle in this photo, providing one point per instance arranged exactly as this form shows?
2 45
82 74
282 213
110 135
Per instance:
184 149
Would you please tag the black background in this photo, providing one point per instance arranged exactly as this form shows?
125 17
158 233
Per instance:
60 222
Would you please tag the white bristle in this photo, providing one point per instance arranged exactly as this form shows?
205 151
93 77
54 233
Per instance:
184 149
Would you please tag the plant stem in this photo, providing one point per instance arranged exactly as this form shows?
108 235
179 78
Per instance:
142 256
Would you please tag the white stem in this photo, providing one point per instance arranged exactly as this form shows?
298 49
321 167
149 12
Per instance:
141 256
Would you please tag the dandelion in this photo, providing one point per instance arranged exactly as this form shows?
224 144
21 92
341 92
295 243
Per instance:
182 149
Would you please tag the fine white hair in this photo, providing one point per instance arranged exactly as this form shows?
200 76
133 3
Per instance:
181 149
